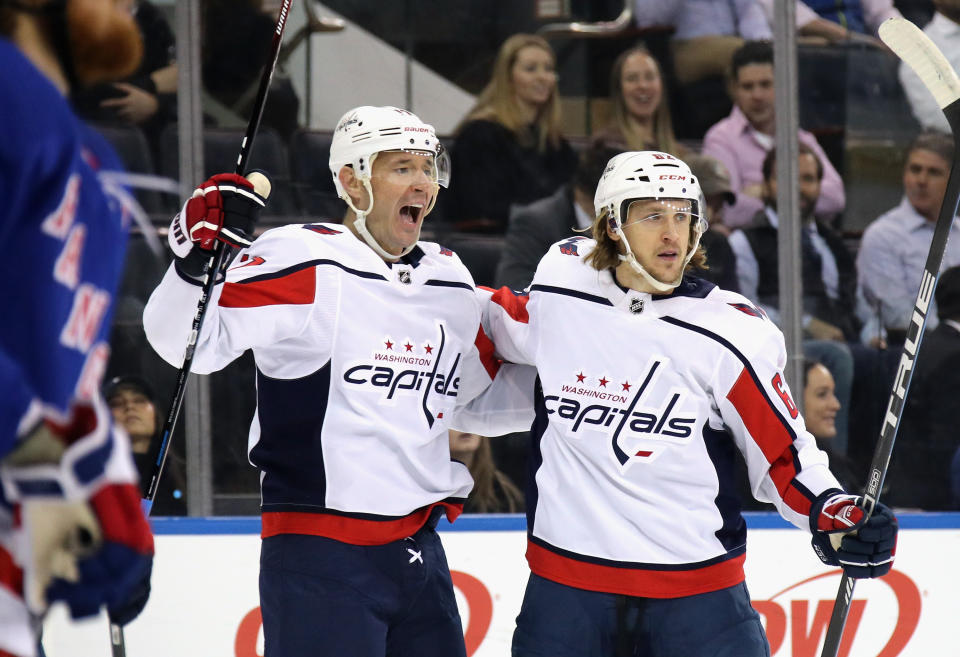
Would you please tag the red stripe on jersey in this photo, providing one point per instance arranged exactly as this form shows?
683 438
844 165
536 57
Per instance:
11 577
118 509
485 347
770 434
516 306
355 531
298 287
638 582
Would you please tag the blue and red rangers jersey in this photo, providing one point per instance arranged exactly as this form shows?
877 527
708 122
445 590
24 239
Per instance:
644 402
361 366
63 233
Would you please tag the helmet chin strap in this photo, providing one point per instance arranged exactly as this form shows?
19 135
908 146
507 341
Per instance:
360 223
629 258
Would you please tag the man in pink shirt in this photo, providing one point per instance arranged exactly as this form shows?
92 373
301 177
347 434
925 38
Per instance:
742 140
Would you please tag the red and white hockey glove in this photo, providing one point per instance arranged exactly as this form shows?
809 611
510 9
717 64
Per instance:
224 208
81 534
843 536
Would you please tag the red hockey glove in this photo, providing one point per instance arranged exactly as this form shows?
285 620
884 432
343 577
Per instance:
842 536
116 570
224 208
82 536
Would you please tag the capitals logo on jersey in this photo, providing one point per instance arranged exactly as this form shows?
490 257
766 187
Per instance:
570 247
636 415
410 367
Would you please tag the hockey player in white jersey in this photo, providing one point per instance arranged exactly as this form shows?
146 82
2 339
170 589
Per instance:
650 381
366 341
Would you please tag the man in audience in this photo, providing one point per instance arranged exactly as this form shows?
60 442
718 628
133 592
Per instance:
829 276
944 31
895 246
741 140
920 474
535 227
840 22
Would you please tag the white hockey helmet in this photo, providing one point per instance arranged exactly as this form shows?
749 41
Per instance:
641 175
365 131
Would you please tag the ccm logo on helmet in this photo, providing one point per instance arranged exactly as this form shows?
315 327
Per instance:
672 176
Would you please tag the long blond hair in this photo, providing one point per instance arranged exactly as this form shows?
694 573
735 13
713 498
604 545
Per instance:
664 138
498 100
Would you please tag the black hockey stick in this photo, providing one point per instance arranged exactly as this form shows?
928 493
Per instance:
213 266
920 54
215 263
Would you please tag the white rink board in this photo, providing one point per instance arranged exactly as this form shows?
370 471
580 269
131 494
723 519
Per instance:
204 600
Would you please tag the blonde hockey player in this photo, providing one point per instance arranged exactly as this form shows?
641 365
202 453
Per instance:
651 380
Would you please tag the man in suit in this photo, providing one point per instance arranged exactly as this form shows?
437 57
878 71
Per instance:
534 227
921 464
830 327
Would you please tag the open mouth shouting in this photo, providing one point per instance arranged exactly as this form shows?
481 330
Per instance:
411 214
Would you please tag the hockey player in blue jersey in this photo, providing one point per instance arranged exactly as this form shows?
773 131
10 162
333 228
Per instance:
367 343
635 538
71 527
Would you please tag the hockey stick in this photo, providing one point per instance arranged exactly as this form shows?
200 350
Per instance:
215 262
213 266
919 52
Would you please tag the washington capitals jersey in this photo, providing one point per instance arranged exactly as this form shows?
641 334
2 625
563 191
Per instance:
63 231
360 367
642 404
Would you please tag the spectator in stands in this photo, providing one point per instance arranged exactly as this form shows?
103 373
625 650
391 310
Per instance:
148 97
741 140
944 31
921 464
493 492
894 247
236 43
820 408
718 194
509 149
707 33
641 115
535 227
829 276
132 402
854 21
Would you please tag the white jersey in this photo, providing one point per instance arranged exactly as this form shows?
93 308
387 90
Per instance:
360 367
643 400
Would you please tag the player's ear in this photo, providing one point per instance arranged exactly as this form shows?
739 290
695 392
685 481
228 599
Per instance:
349 180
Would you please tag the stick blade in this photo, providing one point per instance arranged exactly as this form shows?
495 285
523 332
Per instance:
920 53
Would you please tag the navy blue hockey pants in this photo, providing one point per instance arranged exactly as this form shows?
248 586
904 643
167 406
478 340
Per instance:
321 597
561 621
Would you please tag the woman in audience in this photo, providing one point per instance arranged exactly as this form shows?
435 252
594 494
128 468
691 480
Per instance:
641 116
820 406
493 492
132 404
509 148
